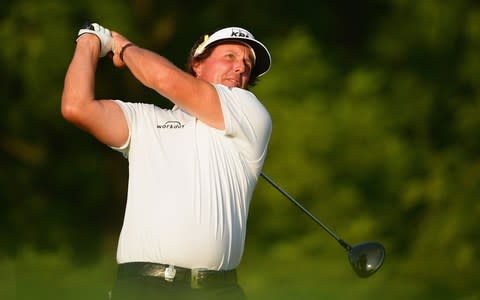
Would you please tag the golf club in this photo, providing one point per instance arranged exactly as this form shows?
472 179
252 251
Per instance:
366 258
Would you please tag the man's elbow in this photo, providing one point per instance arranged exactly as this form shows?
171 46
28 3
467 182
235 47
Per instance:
71 111
67 110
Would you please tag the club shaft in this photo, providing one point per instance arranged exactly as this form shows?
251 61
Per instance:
306 211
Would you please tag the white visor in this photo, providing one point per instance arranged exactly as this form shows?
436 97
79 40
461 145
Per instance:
261 55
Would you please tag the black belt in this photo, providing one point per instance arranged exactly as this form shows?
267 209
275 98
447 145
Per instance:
196 278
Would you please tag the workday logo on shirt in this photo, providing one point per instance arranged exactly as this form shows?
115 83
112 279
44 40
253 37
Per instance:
171 125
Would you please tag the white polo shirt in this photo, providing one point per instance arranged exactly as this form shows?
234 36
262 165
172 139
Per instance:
190 185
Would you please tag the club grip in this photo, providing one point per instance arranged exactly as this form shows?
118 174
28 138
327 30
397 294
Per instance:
88 25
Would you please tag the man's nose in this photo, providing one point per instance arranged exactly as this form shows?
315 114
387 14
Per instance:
240 66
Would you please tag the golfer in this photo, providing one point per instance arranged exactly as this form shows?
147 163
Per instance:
192 168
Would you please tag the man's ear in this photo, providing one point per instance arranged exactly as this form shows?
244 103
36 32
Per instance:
197 68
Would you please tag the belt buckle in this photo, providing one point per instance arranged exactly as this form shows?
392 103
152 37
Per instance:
196 277
170 272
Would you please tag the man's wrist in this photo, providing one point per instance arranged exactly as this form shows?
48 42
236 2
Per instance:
89 40
124 48
88 36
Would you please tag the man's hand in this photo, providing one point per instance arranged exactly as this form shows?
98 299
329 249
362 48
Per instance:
104 35
119 41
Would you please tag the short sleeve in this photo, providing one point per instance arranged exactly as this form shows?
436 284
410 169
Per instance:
246 120
133 113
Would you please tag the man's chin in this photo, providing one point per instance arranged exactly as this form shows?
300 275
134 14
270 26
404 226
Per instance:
232 83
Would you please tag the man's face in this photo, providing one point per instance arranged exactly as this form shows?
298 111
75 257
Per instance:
229 64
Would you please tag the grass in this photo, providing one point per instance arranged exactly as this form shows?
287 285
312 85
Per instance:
56 276
283 273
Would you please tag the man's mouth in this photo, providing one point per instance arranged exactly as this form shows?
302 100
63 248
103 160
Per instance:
233 81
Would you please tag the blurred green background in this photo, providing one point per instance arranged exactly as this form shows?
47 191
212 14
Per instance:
375 107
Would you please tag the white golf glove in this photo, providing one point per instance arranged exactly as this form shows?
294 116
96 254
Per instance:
103 34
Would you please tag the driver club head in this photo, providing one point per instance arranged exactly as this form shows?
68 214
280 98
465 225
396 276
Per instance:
366 258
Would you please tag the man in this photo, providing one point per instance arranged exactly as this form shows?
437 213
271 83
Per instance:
192 169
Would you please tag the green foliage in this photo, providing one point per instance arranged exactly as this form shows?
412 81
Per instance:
375 120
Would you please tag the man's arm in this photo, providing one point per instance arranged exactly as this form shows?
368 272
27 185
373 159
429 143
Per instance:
104 119
194 95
